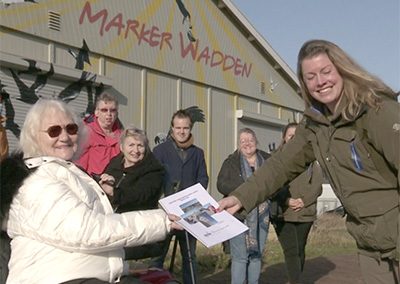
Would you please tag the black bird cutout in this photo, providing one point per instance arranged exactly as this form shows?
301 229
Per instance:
186 16
32 69
9 2
10 115
73 90
30 95
184 11
196 114
92 97
81 56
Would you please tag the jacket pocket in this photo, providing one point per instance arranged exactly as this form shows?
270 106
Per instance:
354 148
376 227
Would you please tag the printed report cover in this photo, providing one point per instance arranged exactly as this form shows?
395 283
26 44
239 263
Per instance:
197 210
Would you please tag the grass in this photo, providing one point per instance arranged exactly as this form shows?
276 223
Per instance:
328 237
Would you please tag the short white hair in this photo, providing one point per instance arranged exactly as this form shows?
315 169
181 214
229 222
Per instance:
29 133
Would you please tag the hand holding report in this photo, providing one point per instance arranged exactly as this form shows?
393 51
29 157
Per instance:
199 216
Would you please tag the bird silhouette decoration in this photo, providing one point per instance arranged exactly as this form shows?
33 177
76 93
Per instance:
32 69
9 2
30 94
73 90
9 112
186 18
92 97
81 56
196 114
3 96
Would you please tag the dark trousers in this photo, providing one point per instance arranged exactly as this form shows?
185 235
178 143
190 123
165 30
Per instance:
293 239
187 262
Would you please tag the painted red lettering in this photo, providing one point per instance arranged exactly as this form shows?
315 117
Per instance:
216 58
204 54
238 67
192 48
228 65
87 11
166 37
247 71
132 25
153 36
143 34
115 22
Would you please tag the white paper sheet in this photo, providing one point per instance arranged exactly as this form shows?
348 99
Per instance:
198 216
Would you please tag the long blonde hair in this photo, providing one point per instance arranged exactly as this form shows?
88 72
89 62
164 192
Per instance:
359 86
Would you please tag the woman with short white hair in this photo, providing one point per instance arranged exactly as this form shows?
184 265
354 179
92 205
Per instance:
62 225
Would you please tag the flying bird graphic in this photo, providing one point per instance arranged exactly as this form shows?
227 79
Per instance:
184 11
30 94
186 18
73 90
81 56
196 114
98 90
9 2
10 115
3 96
32 69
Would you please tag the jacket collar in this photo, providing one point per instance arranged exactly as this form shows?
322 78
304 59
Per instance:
32 163
320 115
97 128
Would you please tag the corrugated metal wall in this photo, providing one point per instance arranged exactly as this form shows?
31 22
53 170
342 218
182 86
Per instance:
152 82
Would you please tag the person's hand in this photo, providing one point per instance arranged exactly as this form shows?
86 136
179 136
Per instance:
230 204
173 218
295 204
107 184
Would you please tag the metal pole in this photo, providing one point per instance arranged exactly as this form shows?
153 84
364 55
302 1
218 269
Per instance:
190 257
171 264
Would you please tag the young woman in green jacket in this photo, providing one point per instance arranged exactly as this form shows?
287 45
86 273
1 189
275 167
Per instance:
351 126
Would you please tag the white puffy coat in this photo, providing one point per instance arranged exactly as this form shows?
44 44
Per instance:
63 227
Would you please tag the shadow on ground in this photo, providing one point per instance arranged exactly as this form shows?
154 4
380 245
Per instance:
338 269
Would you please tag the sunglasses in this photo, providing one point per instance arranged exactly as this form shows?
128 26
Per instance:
55 130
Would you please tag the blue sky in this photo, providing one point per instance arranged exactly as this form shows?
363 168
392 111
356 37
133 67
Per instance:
368 30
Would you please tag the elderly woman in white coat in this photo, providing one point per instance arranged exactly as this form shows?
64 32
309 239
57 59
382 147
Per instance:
62 225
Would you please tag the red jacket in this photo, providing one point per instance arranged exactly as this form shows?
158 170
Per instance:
99 148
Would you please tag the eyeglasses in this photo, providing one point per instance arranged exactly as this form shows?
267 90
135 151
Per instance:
55 130
105 110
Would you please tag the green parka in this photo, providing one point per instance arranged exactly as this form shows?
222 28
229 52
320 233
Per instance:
361 159
307 186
